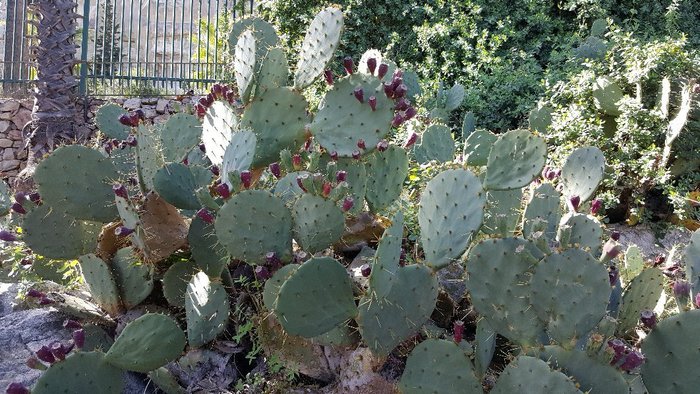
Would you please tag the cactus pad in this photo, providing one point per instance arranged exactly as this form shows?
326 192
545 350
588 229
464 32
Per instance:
239 154
477 147
570 293
319 45
274 71
218 126
591 374
386 173
540 119
516 158
436 144
211 257
165 381
147 343
542 213
499 283
207 309
342 120
438 366
356 179
134 279
244 64
253 223
485 346
529 374
180 134
316 298
177 185
451 211
386 261
582 172
318 223
606 95
263 31
579 230
81 372
175 282
692 263
287 188
103 288
278 119
642 293
53 234
87 192
107 121
273 285
502 212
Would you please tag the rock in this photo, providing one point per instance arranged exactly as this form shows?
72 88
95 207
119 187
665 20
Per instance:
150 100
205 369
132 104
4 125
646 240
8 165
9 106
6 115
161 106
22 117
22 154
160 119
150 113
15 134
5 143
28 103
8 154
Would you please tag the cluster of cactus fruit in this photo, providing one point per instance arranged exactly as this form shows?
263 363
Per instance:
254 177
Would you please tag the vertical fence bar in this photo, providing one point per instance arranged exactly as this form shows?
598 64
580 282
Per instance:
165 34
216 42
121 44
131 39
155 43
112 44
84 49
138 45
148 42
189 42
182 41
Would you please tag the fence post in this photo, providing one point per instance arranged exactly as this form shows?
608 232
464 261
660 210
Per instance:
84 50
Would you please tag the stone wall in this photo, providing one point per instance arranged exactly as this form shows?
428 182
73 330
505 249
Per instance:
15 114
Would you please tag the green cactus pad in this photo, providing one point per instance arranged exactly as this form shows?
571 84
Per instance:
263 31
436 144
319 45
218 127
207 309
253 223
96 338
127 212
177 185
438 366
273 285
582 172
5 199
570 293
642 293
692 263
671 351
81 372
316 298
468 125
485 346
244 64
239 154
540 119
356 179
499 283
385 263
278 119
412 82
606 95
134 279
542 213
211 257
175 282
149 157
591 375
147 343
342 120
85 194
107 121
53 234
388 321
181 133
287 188
100 280
477 147
634 262
579 230
516 158
502 212
451 211
318 223
274 71
454 97
386 173
529 374
165 381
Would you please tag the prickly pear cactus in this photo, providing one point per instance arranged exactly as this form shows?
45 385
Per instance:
100 279
53 234
642 293
319 45
692 263
386 173
81 372
515 159
527 373
181 133
134 279
591 374
206 308
244 64
436 144
210 256
106 117
582 172
502 213
477 147
218 126
274 71
386 260
176 183
318 223
540 118
582 231
606 95
542 213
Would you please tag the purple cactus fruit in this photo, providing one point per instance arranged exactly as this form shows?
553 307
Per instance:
400 90
246 178
341 176
372 102
210 99
262 273
58 350
202 148
610 250
34 363
127 120
349 65
648 318
230 96
595 206
16 388
107 147
26 261
123 231
215 170
617 345
388 90
613 274
398 119
633 360
7 236
205 215
273 260
45 301
307 144
44 354
697 300
17 207
120 191
366 270
398 74
458 328
361 144
371 65
382 70
20 197
72 324
359 94
412 138
131 140
223 190
658 260
275 169
348 203
334 155
356 154
615 235
296 162
328 74
139 114
186 161
402 104
200 110
574 202
382 145
681 288
409 113
35 293
216 90
35 197
326 189
300 183
79 338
